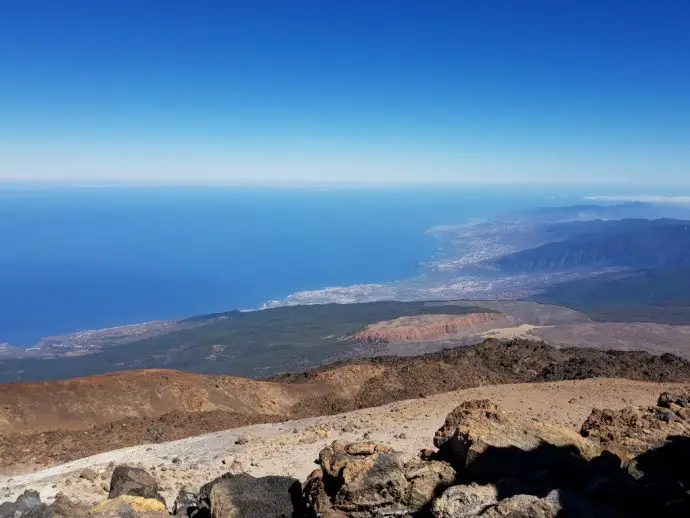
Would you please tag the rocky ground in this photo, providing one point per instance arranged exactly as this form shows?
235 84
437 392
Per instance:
289 449
54 422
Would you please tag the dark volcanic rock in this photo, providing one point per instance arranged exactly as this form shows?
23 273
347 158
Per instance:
242 495
7 509
127 480
186 504
673 401
29 505
27 501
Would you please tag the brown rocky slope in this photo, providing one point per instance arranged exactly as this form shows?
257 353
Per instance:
485 463
44 423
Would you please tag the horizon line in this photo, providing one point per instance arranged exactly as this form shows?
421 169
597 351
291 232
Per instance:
339 184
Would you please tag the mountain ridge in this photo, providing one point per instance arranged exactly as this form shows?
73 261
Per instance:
63 420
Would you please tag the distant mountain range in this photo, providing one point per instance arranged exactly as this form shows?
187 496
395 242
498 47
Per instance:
609 268
627 243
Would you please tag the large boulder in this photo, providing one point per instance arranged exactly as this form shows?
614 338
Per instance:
26 503
480 440
130 481
632 431
363 480
511 466
241 495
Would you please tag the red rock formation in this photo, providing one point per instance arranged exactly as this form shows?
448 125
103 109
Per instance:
430 327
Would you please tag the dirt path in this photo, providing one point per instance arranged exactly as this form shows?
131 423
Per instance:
289 448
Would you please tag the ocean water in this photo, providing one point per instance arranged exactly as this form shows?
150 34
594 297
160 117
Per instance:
85 258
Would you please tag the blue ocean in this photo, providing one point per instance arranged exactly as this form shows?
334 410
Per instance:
85 258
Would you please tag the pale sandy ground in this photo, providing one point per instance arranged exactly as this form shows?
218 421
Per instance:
508 333
290 448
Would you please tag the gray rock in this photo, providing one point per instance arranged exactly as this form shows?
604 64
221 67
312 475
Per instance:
29 505
27 501
127 480
242 495
7 509
41 511
186 503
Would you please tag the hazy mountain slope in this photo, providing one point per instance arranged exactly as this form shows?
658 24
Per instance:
659 295
626 243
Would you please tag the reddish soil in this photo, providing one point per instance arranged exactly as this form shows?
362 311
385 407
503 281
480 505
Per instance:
44 423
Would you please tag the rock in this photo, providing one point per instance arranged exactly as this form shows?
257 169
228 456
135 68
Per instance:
464 501
242 495
63 507
7 509
427 454
126 505
348 428
366 480
236 468
478 426
667 400
631 431
556 504
27 500
131 481
243 439
29 505
470 501
186 503
39 511
364 448
528 506
88 474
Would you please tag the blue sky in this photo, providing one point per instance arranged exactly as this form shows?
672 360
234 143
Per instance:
385 91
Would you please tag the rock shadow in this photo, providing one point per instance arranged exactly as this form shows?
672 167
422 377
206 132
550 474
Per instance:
654 484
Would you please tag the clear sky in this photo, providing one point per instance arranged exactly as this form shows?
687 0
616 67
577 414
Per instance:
293 91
